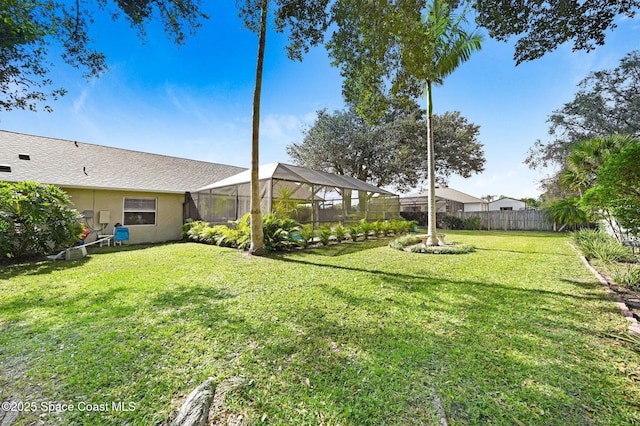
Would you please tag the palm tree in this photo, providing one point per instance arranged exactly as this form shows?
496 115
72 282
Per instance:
567 213
442 45
306 22
586 157
257 233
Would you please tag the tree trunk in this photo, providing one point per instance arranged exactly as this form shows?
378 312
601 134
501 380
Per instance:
257 234
432 239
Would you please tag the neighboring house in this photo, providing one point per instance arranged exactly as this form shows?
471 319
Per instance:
148 193
507 203
448 200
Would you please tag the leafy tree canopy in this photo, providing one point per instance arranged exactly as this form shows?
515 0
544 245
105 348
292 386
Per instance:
365 46
587 157
618 186
35 219
541 26
30 31
391 152
304 21
607 103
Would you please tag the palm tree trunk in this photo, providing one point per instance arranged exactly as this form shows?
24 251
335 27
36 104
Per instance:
257 234
432 239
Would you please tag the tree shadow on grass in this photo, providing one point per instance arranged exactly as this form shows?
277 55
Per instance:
493 353
99 342
340 249
407 282
39 267
526 252
369 362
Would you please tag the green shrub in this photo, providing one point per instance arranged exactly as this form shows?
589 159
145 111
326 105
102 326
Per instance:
279 232
376 228
187 226
472 223
568 213
611 251
242 234
457 249
354 232
599 245
365 228
36 219
402 226
304 235
340 232
324 235
282 233
404 241
453 222
228 237
627 275
386 228
588 236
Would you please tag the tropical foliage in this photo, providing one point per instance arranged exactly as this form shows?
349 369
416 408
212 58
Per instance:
402 54
596 244
453 222
605 104
609 256
618 186
601 176
587 157
567 213
413 244
35 219
282 233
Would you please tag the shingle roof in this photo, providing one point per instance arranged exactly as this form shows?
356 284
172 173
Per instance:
445 193
83 165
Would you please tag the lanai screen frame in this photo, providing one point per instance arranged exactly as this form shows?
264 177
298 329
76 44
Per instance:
306 195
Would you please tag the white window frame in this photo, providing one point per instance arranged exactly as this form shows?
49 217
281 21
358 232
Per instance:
125 210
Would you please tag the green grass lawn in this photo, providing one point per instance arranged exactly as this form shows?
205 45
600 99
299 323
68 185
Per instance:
517 332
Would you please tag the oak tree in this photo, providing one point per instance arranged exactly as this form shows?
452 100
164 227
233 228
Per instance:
541 26
390 153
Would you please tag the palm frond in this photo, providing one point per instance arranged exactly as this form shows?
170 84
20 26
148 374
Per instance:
446 45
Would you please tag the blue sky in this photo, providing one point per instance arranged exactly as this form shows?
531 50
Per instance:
195 100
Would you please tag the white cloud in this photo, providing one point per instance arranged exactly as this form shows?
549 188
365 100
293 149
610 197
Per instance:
281 129
80 101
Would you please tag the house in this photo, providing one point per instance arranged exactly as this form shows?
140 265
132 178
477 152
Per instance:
506 203
148 193
448 200
153 195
